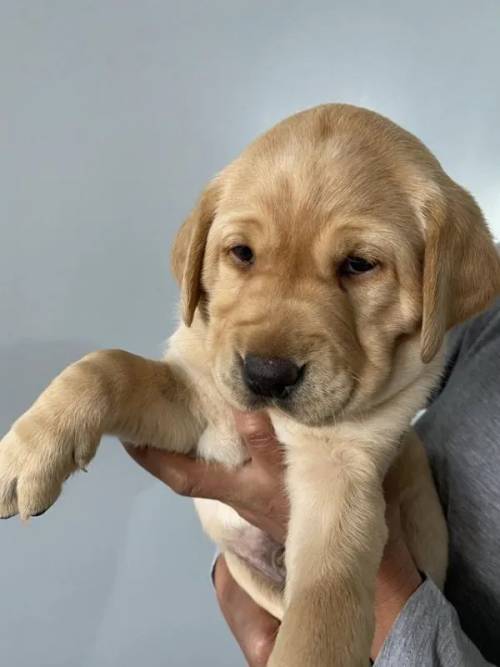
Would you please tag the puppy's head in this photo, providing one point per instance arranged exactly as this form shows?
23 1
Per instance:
327 262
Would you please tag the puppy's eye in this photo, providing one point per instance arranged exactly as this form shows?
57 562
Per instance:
354 266
243 254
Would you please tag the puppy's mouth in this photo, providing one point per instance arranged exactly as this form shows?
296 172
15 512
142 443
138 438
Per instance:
305 392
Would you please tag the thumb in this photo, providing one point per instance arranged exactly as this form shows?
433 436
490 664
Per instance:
258 435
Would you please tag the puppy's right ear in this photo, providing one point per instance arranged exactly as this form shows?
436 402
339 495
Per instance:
189 249
461 267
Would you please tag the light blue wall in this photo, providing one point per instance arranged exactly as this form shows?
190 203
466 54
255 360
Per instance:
113 113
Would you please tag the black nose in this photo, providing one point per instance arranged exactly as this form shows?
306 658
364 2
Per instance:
270 376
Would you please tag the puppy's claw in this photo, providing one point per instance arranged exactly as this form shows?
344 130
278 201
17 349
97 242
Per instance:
42 512
8 499
80 461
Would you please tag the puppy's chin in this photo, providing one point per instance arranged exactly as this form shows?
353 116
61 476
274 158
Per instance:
309 413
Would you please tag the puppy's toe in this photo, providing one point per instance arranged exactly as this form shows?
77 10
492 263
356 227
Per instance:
36 494
8 498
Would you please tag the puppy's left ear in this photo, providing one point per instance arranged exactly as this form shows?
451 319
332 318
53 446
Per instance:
188 250
461 266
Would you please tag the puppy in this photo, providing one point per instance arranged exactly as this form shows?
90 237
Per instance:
320 272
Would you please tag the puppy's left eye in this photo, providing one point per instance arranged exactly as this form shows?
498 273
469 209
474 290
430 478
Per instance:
242 253
354 266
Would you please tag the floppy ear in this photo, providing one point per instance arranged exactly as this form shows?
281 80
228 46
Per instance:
189 249
461 266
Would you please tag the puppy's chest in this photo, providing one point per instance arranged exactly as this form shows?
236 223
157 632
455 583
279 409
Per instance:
219 441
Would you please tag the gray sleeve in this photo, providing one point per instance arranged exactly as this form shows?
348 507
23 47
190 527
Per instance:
427 633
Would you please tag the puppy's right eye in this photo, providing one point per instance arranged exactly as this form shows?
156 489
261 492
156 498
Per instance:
243 254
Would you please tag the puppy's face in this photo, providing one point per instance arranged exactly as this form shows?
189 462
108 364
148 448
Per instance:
312 266
308 296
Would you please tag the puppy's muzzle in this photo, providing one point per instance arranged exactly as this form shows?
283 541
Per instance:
271 377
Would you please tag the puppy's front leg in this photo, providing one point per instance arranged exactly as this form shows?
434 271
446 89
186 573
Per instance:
337 533
107 392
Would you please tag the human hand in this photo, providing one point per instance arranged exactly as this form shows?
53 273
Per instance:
256 491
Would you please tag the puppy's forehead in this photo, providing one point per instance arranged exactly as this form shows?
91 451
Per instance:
320 167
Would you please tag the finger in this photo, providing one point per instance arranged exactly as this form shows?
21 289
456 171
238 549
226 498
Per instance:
253 627
258 434
186 476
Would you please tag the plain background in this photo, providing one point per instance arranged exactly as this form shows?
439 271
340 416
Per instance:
112 116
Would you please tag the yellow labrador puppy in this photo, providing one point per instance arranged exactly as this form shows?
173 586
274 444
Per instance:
320 272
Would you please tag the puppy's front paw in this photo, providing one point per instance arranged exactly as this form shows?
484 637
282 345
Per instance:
35 461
